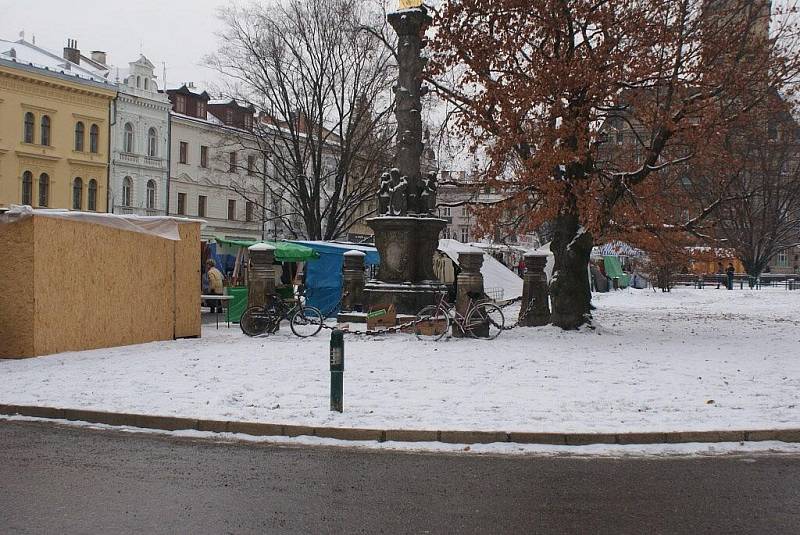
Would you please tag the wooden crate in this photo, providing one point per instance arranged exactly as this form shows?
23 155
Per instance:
381 317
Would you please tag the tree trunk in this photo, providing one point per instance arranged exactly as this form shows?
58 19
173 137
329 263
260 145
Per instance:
570 294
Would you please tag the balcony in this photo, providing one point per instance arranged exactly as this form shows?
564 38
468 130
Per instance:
129 158
135 210
136 159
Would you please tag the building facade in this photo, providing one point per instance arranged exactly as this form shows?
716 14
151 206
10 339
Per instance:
139 143
211 176
54 132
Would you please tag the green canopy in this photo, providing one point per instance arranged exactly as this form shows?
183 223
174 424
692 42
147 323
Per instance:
284 251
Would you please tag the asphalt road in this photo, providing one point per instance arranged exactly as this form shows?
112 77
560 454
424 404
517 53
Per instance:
72 480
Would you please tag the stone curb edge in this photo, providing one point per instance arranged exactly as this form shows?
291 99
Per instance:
170 423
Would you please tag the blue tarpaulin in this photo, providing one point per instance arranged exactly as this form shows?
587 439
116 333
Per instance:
324 276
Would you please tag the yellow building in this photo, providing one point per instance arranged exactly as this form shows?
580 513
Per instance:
54 130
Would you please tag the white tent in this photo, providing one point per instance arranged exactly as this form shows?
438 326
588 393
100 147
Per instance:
496 276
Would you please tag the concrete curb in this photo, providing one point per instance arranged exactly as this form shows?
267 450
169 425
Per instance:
170 423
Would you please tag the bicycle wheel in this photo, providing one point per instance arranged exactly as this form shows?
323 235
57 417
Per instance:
306 321
431 323
486 320
256 320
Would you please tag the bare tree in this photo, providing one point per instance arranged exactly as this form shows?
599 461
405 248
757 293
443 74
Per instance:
321 86
764 218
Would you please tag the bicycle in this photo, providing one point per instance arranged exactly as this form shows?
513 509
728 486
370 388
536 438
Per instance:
304 320
483 319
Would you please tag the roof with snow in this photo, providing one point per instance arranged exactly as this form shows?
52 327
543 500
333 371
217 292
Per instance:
25 55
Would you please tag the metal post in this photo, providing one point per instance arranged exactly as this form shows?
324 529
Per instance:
337 370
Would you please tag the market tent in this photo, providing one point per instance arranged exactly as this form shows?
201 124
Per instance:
614 271
496 276
324 278
285 251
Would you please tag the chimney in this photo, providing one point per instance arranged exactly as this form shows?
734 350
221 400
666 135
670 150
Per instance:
98 56
71 52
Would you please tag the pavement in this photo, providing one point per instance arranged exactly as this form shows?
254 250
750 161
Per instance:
172 423
62 479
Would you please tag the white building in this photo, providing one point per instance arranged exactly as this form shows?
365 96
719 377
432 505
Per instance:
211 176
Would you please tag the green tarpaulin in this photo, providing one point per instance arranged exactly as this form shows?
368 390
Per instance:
284 251
614 270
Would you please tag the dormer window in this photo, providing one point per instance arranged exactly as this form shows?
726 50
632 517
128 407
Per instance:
229 116
180 104
201 110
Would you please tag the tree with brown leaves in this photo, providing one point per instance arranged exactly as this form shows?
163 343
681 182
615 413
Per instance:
537 81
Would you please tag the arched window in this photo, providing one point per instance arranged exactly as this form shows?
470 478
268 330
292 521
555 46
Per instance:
44 189
145 84
152 142
28 135
77 194
151 194
92 199
27 188
94 138
45 134
127 191
138 82
79 133
127 143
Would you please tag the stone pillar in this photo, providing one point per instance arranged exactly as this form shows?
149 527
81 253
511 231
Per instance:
260 274
469 280
534 288
354 280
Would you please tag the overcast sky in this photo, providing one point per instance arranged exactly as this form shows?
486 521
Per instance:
178 32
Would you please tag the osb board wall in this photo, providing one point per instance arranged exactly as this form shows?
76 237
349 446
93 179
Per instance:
187 282
97 286
16 289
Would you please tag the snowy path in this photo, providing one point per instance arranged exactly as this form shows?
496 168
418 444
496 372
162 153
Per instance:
655 363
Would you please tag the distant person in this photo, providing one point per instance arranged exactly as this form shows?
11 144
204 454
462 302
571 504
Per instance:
720 274
215 286
730 271
521 267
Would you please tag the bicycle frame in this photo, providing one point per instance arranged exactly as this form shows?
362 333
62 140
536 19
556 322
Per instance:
455 315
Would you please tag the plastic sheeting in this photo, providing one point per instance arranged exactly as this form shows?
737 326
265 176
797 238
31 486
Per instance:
163 227
324 277
495 274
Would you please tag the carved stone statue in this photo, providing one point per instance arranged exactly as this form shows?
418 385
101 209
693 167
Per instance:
399 199
384 195
427 195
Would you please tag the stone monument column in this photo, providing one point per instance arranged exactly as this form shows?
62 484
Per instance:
469 281
260 274
354 279
534 288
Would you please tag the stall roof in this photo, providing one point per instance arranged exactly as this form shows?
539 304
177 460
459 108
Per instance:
285 251
495 274
372 257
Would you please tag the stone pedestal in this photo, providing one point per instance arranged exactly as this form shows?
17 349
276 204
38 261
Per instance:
405 276
260 274
534 288
469 281
353 288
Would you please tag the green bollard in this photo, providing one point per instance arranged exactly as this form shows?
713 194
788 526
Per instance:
337 370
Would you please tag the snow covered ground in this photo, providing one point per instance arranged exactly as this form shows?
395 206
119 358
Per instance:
685 361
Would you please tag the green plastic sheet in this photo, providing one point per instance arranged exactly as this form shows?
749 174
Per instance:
284 251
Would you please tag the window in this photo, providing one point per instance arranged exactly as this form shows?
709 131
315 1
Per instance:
77 194
146 83
231 209
464 234
180 104
127 191
203 156
138 82
232 162
45 133
44 189
27 188
201 110
79 136
92 200
127 140
151 194
228 116
184 152
201 205
152 142
94 139
249 211
464 211
248 122
181 204
782 259
251 165
444 211
28 130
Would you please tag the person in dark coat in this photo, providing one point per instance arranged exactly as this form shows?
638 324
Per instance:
730 272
